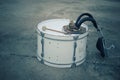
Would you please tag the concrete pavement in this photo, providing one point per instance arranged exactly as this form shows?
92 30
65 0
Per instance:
18 39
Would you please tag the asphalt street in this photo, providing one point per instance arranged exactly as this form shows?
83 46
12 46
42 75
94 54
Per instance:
18 39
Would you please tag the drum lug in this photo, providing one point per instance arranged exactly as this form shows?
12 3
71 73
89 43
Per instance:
73 65
42 61
74 52
42 42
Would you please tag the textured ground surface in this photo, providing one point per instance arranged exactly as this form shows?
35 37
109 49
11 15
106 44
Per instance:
18 21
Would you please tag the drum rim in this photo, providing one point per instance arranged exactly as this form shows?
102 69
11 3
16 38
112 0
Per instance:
69 35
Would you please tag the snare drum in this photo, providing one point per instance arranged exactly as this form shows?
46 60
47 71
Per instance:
58 49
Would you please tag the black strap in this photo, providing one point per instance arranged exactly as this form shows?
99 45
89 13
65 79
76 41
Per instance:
87 19
82 15
100 42
100 46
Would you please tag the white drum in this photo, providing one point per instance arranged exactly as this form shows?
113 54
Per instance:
58 49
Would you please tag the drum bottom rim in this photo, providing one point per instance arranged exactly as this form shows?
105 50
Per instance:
57 65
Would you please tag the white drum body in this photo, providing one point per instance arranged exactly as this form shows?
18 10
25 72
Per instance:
58 49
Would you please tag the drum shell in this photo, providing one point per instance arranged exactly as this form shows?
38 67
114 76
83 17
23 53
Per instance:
60 50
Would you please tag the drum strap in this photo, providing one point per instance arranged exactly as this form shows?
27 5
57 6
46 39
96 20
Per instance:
101 41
